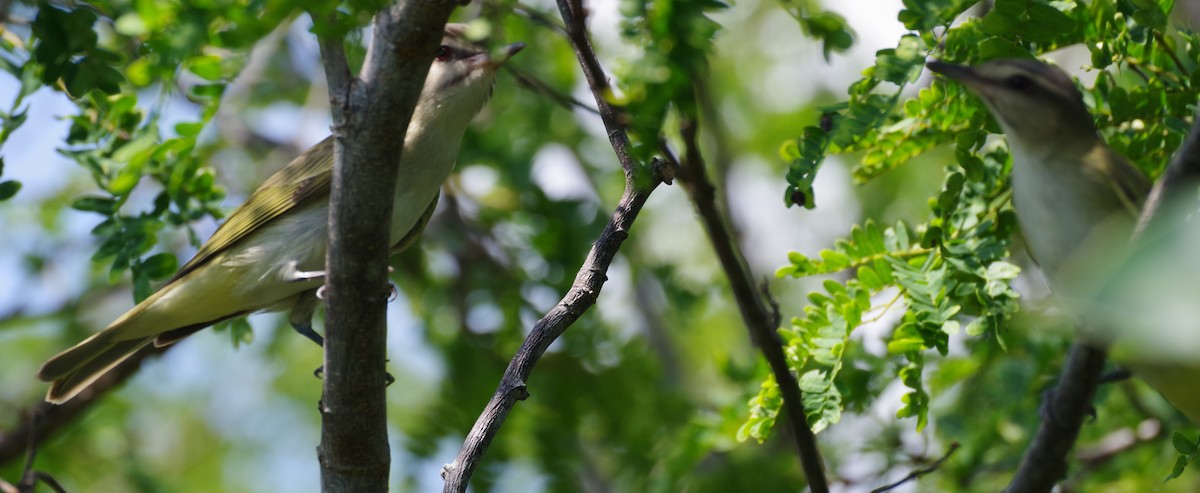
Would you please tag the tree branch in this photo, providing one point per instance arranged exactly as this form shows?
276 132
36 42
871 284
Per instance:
370 118
44 419
573 16
919 472
759 319
579 298
1045 463
591 276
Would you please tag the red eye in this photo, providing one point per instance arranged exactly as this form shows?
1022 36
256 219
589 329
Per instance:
443 53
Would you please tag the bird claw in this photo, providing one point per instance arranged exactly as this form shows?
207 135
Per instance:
312 335
1116 375
388 378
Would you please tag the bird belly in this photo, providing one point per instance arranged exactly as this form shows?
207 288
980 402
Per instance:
424 167
1068 226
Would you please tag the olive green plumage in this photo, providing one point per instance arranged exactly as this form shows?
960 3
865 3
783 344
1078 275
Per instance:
270 253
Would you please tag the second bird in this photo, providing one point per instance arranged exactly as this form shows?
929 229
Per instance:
1076 200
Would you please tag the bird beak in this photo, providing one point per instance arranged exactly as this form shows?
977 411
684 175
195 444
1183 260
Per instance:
963 74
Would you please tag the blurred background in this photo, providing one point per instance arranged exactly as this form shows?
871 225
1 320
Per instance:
645 393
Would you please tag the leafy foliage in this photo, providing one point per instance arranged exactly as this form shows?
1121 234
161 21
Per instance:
828 27
1188 450
653 391
676 40
952 269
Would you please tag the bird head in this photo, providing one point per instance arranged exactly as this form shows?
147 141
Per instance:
1037 104
461 77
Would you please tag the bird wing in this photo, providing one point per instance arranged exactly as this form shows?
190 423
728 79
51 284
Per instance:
306 177
1129 184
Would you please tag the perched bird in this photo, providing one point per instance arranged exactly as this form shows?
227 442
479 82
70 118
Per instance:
1076 200
270 253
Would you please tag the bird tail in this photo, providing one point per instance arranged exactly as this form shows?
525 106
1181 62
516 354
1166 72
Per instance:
73 370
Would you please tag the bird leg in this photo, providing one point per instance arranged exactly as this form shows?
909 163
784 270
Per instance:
302 315
306 306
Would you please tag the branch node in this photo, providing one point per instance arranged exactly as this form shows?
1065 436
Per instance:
663 170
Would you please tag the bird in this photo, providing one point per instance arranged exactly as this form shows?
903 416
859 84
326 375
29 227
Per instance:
1077 202
269 255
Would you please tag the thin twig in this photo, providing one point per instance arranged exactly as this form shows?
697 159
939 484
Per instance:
27 477
919 472
1094 457
1137 70
1120 441
1158 36
536 85
48 480
338 78
539 17
52 417
573 15
582 295
640 182
1045 462
757 317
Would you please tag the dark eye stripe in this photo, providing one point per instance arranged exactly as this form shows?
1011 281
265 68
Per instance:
1021 83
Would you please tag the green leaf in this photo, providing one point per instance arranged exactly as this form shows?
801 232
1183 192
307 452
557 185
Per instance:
159 266
1183 444
870 279
9 188
141 287
1001 270
208 67
835 260
102 205
902 64
1177 470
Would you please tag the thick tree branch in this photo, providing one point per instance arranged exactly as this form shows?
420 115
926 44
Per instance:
758 318
370 116
1066 409
1045 462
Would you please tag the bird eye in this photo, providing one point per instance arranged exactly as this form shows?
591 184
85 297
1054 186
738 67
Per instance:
443 53
1020 83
